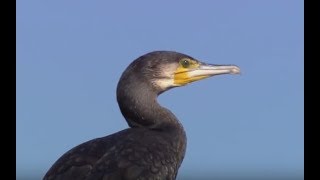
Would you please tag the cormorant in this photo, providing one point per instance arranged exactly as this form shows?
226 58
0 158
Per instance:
154 145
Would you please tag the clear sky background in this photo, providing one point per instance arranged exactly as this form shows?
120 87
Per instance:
70 55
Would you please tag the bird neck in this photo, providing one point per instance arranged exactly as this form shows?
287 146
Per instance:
137 99
139 106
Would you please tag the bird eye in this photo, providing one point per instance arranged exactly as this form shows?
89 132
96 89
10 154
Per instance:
185 63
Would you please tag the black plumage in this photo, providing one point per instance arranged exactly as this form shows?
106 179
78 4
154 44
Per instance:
153 147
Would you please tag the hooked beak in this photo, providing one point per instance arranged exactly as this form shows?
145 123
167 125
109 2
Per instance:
211 70
204 71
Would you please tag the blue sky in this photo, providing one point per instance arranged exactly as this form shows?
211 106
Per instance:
70 55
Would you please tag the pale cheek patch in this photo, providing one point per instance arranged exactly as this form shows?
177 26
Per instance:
164 83
166 78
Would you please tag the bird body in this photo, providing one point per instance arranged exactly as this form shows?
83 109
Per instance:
133 153
154 145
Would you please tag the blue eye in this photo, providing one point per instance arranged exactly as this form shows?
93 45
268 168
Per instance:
185 63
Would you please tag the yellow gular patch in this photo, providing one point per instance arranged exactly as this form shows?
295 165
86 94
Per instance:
181 76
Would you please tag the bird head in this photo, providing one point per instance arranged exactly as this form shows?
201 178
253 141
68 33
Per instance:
167 69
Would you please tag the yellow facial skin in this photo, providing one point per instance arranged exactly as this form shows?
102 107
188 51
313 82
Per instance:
181 75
